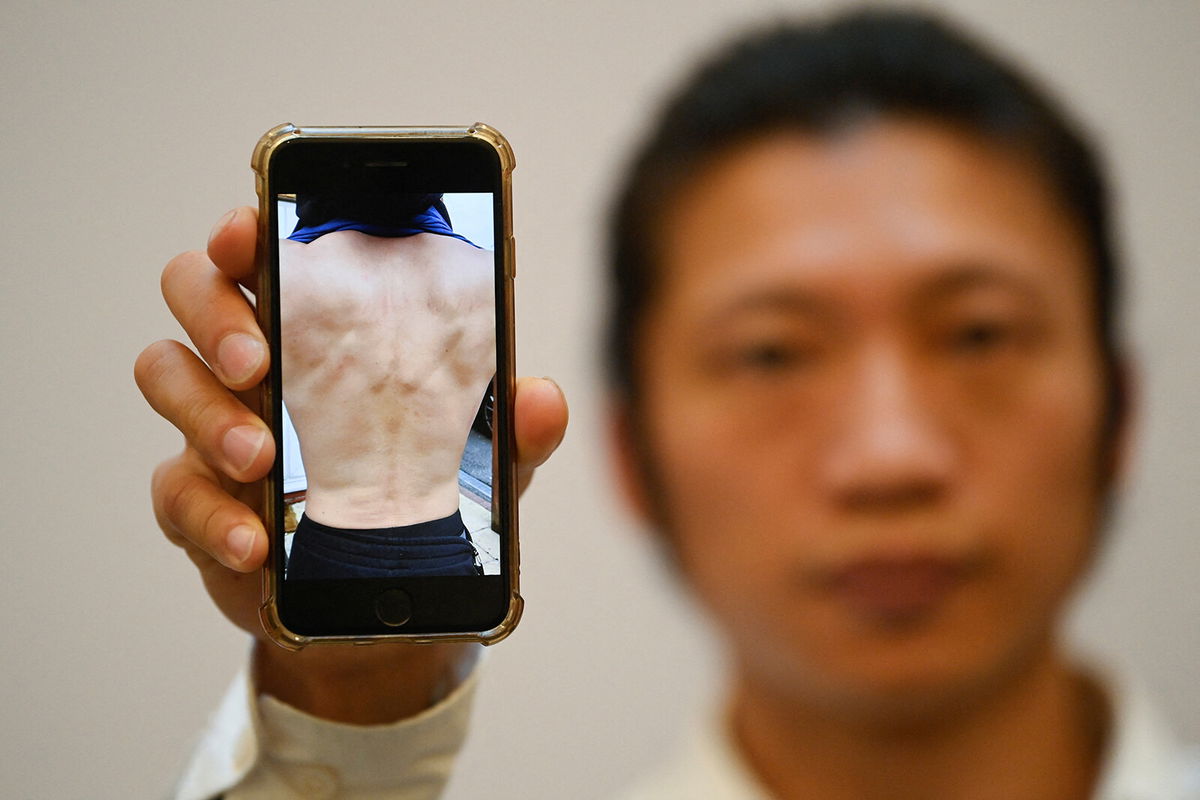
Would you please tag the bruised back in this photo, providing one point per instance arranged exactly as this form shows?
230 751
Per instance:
387 347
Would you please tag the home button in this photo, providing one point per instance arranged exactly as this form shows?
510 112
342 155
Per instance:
393 607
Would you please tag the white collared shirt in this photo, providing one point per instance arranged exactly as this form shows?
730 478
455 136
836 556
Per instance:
1143 760
260 749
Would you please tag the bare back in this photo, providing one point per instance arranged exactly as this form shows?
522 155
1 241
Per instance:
387 348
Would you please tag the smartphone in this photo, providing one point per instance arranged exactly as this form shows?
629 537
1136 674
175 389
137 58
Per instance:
386 264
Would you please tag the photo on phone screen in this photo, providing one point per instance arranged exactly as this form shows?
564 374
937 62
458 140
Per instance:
387 347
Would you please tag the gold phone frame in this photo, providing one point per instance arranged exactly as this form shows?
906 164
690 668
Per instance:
507 503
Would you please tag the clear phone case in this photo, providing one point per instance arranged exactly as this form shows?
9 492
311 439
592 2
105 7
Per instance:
507 505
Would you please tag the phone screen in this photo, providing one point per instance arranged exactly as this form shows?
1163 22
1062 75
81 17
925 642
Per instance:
392 380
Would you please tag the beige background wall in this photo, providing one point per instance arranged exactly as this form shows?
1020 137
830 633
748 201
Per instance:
126 133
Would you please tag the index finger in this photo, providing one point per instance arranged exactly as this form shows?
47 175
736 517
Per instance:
231 244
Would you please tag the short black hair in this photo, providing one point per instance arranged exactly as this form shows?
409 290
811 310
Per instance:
819 76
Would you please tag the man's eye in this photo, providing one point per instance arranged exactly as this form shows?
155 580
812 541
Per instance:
770 356
980 337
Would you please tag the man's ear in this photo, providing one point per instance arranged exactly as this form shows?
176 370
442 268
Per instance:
1122 434
624 455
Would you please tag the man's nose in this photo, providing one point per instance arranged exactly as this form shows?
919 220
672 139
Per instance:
890 451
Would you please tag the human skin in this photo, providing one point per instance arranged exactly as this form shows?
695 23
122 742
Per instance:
387 347
206 498
870 419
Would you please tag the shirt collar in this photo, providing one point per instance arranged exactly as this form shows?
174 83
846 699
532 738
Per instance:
1143 760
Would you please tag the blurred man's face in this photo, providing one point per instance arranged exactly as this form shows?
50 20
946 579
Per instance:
872 398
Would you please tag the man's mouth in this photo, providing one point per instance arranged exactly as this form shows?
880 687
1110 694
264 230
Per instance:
897 590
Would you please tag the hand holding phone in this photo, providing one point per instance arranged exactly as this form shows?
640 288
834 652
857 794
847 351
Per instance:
205 494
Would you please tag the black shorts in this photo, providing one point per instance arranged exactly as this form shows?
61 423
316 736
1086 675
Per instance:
437 547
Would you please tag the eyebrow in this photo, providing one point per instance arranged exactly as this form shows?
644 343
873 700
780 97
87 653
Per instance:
774 299
945 284
966 277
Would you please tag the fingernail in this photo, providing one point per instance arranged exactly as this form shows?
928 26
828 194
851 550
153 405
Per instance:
239 356
243 444
239 542
221 223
